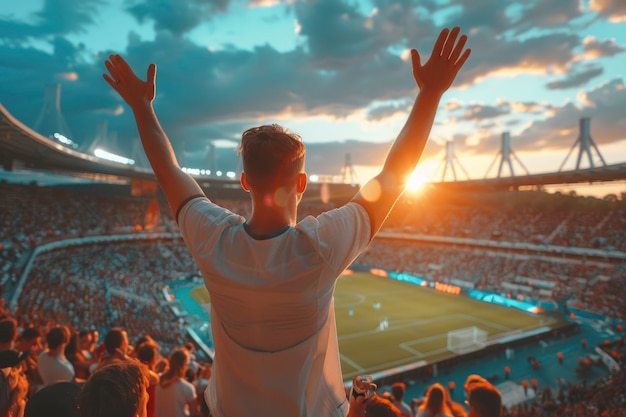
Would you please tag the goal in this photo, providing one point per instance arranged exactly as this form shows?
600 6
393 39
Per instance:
466 340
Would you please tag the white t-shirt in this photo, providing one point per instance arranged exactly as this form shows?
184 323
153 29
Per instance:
172 401
54 368
272 312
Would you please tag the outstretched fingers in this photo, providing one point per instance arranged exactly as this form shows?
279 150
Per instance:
458 48
458 64
441 40
450 41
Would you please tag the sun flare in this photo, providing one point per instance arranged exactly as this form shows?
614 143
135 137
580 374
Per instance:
416 182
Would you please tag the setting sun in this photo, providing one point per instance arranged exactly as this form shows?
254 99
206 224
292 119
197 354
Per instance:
416 182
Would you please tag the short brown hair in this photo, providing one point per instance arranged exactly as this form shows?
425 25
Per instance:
271 152
115 390
398 389
57 336
485 399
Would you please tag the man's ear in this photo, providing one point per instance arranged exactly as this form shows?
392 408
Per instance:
302 180
244 182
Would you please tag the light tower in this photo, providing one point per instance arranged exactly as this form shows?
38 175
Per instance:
348 170
585 142
50 119
450 161
505 153
101 139
211 158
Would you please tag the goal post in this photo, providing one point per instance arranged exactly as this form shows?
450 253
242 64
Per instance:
465 340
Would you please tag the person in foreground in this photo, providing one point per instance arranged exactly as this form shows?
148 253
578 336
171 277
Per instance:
117 390
271 279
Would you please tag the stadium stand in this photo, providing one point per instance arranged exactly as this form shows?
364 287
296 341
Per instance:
99 285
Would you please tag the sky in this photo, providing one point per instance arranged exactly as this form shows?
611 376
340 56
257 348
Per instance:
334 71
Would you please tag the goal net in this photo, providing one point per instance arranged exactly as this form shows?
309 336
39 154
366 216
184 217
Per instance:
466 340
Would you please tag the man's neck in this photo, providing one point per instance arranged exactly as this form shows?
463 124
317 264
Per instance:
269 218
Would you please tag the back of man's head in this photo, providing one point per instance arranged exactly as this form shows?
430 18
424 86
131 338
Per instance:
56 400
271 153
398 390
57 336
147 353
381 407
8 330
115 390
115 339
485 400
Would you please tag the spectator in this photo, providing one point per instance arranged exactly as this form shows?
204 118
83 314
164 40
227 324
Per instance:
398 389
175 397
56 400
116 347
271 304
118 389
13 382
52 364
30 341
484 401
435 403
147 354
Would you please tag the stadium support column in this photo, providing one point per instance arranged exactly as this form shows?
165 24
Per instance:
50 119
101 139
450 161
348 170
585 142
211 158
505 153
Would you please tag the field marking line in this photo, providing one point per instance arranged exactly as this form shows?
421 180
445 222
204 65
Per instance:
359 296
485 322
359 368
416 353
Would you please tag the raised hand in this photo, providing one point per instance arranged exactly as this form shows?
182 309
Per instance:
444 63
123 80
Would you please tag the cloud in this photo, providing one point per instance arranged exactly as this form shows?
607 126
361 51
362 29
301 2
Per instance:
614 10
339 35
496 56
480 112
604 105
575 79
383 111
592 48
177 17
56 17
547 14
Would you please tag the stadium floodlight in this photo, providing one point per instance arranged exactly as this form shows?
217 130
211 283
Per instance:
101 153
218 173
65 140
231 174
314 178
191 171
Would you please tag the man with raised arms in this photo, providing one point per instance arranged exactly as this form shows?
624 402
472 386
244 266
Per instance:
271 279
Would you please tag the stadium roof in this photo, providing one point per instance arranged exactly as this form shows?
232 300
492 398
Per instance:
22 147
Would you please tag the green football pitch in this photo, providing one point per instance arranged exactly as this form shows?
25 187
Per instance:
383 323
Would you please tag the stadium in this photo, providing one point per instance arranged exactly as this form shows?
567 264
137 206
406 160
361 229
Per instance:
457 282
344 262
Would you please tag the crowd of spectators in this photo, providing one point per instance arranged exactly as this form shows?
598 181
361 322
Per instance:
531 217
569 282
99 286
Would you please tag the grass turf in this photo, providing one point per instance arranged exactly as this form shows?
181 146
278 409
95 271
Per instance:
419 320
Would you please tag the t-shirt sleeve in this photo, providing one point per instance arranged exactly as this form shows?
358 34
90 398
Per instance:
342 234
200 222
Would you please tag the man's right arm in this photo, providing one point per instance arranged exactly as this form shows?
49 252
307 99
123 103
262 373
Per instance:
379 195
177 185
